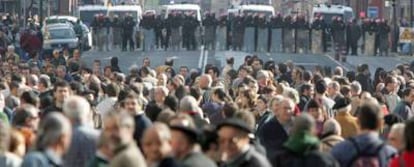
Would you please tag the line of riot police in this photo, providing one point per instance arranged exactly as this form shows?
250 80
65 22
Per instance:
250 32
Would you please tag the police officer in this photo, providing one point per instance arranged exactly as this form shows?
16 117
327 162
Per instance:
383 32
158 29
237 32
166 33
127 31
116 31
147 25
318 33
249 41
275 29
353 35
97 25
338 32
222 29
107 24
190 24
262 26
210 26
175 22
301 34
288 36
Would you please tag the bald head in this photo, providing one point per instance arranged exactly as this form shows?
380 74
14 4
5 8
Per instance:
205 81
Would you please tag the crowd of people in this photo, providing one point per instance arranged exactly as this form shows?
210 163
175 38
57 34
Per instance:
61 111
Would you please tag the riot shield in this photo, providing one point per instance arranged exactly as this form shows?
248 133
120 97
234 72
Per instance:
248 42
116 37
175 39
262 37
288 40
317 47
209 37
302 40
221 41
369 44
149 39
276 40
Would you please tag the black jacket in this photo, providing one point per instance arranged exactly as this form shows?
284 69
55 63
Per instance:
251 158
312 159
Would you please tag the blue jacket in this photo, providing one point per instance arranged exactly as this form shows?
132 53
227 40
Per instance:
345 151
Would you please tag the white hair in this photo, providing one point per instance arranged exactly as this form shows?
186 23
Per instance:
77 109
356 87
209 79
188 103
292 94
398 129
332 126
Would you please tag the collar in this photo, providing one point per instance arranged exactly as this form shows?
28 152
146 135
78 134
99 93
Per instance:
239 157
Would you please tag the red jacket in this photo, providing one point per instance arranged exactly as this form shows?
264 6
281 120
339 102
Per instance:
408 158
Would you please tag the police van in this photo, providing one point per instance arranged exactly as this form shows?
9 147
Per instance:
328 11
87 12
266 10
181 8
123 10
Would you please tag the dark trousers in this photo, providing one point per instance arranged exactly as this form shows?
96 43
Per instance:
125 39
189 41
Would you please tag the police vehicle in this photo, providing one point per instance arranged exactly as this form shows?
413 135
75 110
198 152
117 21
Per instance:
328 11
87 34
59 36
87 12
123 10
265 10
181 8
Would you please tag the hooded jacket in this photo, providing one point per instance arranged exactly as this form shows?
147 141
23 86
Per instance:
301 150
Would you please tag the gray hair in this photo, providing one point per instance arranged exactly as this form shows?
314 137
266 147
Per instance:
303 122
356 87
77 109
163 131
292 94
332 126
188 103
278 99
51 129
398 129
123 119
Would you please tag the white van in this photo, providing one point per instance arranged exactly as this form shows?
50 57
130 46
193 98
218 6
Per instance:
123 10
183 8
87 12
329 11
267 10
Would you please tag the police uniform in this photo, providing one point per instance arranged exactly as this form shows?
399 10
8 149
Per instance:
210 27
127 32
237 32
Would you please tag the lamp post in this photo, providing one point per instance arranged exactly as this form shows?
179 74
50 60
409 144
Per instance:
394 22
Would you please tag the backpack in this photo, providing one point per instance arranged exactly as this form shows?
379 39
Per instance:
365 157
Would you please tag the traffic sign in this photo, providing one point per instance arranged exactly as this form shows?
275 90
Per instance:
406 35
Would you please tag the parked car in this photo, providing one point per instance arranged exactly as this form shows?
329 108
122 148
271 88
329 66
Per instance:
59 36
